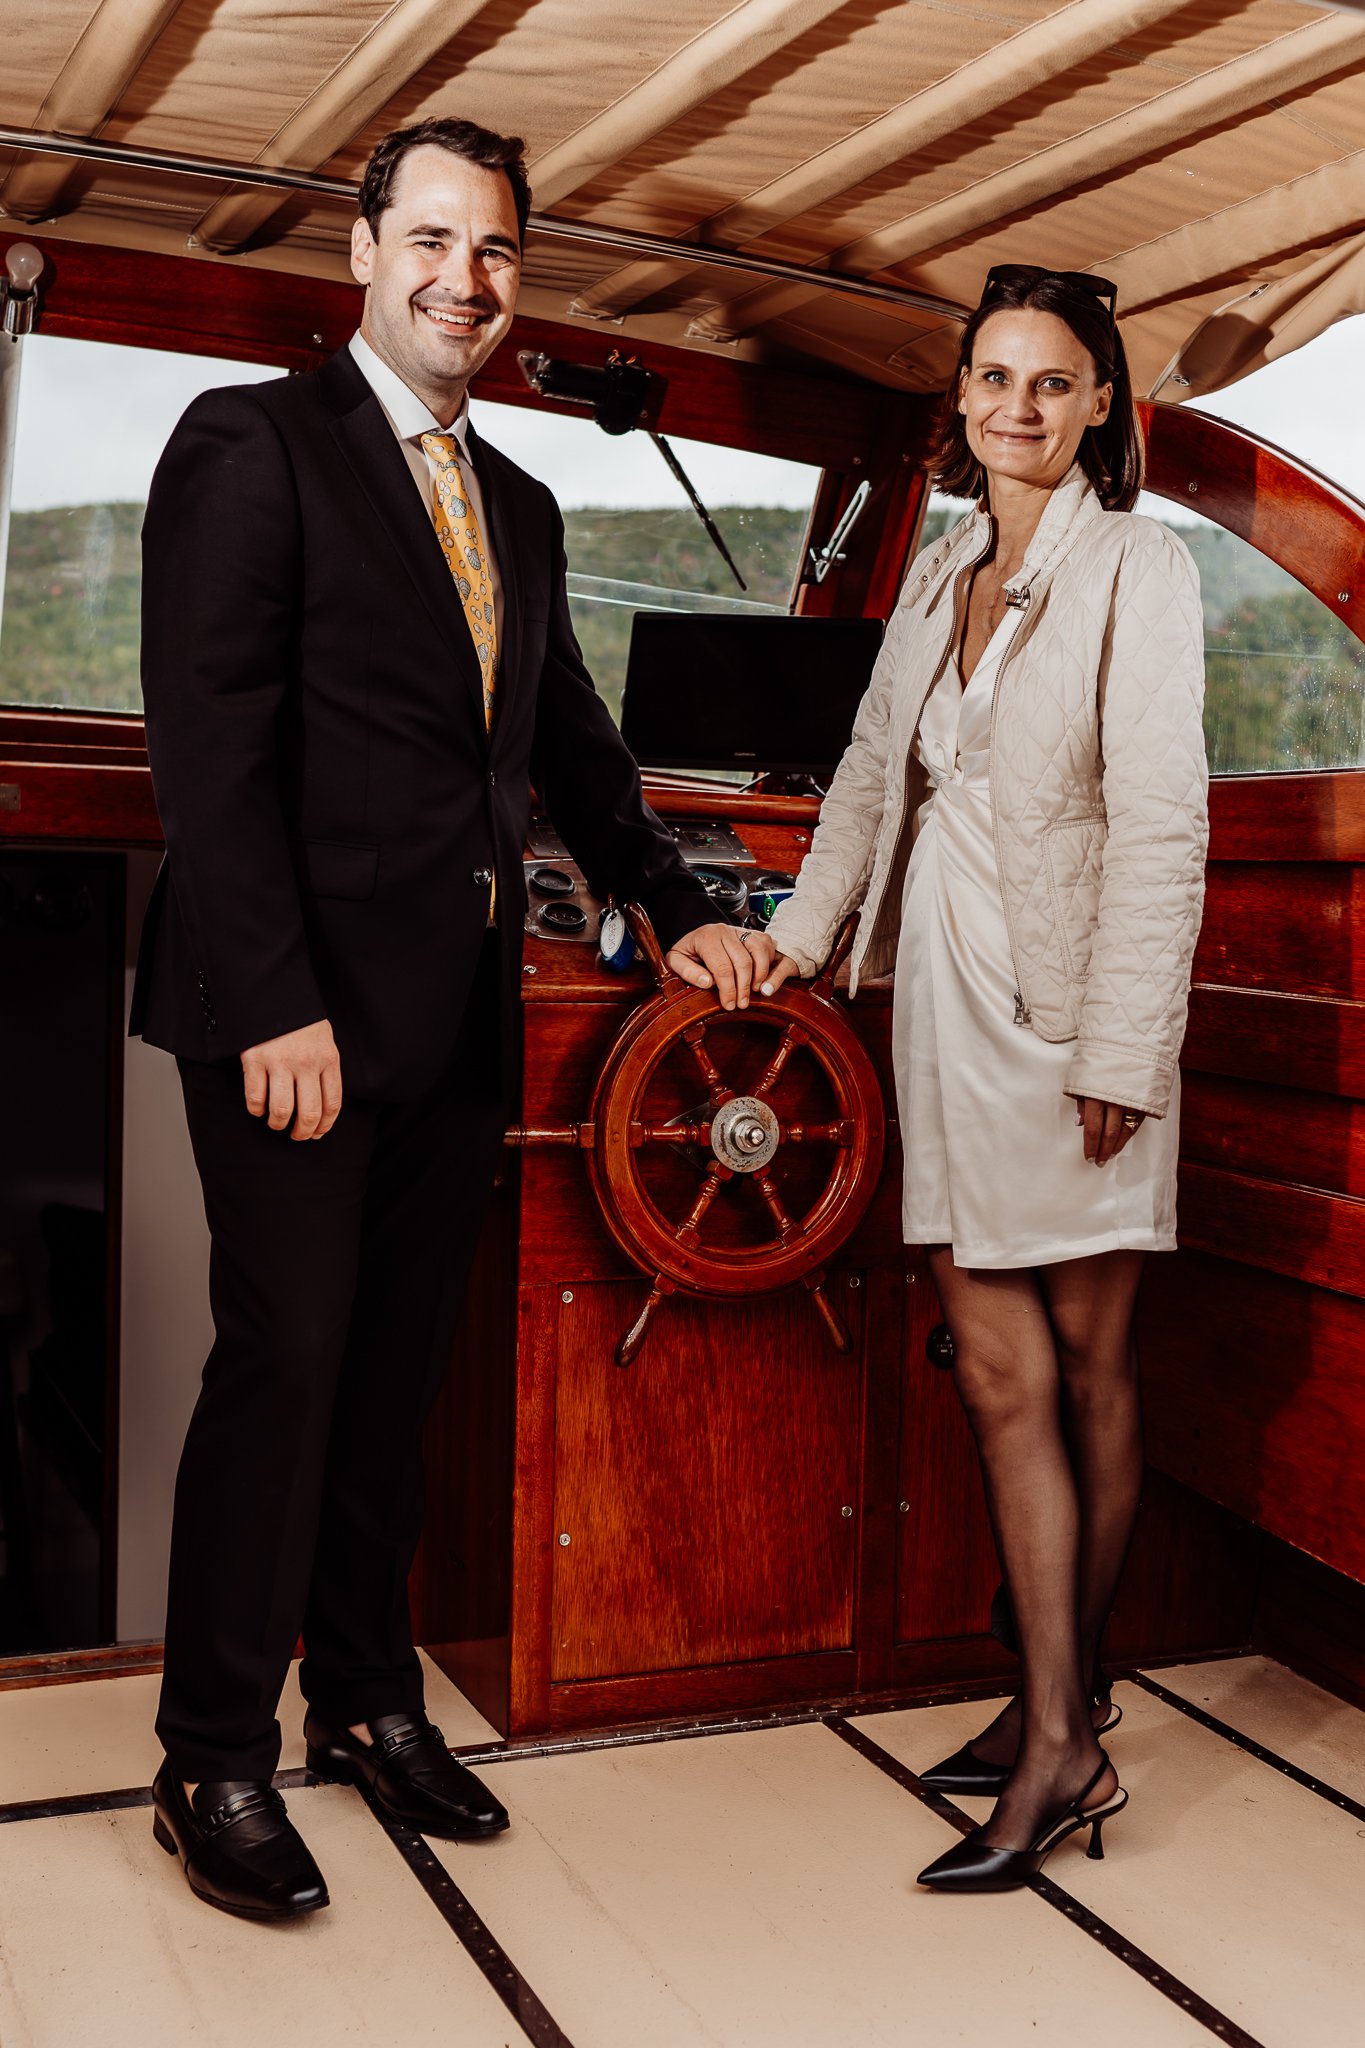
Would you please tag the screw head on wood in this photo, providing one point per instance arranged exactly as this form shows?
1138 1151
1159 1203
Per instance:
567 1295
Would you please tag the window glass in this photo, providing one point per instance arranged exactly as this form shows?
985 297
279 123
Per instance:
1284 677
632 540
93 418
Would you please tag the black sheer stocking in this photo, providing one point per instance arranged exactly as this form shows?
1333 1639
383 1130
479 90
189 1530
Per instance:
1044 1367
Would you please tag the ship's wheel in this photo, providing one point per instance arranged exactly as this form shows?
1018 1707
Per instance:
734 1152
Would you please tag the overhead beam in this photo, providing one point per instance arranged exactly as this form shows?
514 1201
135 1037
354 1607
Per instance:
1045 50
1172 118
386 59
105 57
586 233
749 35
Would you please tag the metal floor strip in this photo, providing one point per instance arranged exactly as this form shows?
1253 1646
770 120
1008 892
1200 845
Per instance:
472 1932
1330 1793
118 1801
1109 1938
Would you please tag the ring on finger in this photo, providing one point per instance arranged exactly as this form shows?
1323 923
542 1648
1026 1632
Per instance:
1131 1120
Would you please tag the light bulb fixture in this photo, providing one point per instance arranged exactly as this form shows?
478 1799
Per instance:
24 265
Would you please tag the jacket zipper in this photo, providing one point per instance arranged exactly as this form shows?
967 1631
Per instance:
1023 1015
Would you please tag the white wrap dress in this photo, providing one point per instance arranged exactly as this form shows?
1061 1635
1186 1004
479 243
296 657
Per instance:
994 1158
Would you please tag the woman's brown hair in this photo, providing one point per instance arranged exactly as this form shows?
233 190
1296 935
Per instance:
1112 454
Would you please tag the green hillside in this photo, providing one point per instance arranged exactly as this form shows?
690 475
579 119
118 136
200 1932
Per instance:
1285 678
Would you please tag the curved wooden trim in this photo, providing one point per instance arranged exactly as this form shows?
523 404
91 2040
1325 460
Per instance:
1309 525
195 305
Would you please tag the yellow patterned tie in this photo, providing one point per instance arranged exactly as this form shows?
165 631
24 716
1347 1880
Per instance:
457 529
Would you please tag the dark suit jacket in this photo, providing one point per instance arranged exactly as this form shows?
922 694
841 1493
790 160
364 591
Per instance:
328 792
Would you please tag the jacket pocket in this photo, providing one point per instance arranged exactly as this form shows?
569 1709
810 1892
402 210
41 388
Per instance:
334 868
1073 860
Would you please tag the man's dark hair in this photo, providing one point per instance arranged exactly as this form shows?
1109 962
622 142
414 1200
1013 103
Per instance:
1111 455
466 139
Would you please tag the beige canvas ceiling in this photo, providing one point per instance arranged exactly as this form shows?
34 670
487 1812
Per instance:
1209 157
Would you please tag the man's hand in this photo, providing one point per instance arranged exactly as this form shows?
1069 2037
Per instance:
715 956
297 1076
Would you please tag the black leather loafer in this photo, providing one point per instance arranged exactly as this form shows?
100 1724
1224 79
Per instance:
410 1772
239 1848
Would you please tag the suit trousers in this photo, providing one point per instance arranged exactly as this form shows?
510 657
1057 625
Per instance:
337 1273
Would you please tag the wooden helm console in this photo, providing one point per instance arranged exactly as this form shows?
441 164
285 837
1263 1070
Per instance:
797 1119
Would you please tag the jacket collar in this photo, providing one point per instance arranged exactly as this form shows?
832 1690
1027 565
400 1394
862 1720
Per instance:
1073 506
366 439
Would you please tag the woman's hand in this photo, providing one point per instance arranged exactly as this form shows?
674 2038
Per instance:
1108 1127
771 968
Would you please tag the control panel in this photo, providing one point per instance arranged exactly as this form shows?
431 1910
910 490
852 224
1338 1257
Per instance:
560 906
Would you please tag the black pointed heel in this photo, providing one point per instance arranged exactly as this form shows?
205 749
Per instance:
972 1865
967 1773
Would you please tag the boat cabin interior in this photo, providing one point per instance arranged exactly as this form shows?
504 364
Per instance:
706 1573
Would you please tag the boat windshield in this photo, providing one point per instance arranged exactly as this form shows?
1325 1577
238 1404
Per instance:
69 628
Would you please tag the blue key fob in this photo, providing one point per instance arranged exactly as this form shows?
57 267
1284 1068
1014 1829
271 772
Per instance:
615 943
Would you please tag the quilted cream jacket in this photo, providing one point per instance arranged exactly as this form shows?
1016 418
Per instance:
1099 788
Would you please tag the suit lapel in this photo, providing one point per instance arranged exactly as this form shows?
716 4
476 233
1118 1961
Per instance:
367 441
496 488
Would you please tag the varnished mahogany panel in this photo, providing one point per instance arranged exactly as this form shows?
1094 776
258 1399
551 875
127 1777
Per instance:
887 1316
78 805
1274 1134
1313 1620
1297 1231
1256 1398
1189 1584
1288 817
946 1564
1298 926
1311 1042
703 1489
461 1584
712 1689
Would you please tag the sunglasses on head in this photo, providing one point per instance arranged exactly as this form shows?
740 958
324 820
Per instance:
1003 277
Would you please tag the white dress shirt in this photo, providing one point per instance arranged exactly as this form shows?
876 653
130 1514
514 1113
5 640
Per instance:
410 419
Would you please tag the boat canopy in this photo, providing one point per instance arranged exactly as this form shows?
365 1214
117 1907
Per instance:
817 181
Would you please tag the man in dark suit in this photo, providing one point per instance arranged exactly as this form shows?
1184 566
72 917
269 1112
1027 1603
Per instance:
357 656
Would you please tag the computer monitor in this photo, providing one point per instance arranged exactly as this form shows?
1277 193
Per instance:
739 692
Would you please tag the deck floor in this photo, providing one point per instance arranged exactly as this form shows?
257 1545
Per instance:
747 1888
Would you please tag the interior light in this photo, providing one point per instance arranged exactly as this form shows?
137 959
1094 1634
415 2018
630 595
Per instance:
24 265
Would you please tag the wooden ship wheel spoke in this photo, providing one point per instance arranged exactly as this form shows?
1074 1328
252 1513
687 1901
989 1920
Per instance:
735 1137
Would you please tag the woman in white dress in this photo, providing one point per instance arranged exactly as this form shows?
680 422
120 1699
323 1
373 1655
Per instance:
1022 814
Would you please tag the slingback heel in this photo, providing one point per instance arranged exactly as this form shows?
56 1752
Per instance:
965 1772
972 1865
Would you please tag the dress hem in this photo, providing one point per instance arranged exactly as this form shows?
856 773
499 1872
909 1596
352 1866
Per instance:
994 1259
